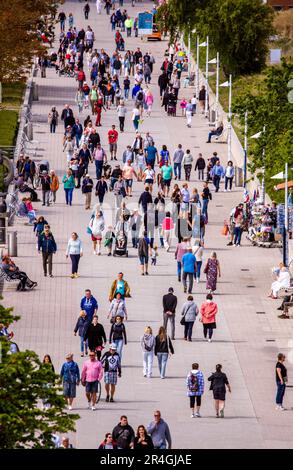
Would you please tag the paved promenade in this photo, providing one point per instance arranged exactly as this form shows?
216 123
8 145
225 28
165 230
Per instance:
245 343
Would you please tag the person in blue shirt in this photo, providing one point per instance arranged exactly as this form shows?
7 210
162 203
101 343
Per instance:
151 154
188 264
70 376
217 173
48 246
89 304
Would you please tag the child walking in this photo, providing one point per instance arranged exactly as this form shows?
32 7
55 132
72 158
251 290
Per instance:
154 255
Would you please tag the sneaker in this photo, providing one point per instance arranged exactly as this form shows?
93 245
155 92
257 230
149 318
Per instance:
94 252
192 415
222 413
93 408
198 415
144 375
146 273
72 276
107 398
229 244
209 340
197 280
76 275
283 316
282 408
277 407
45 274
70 407
89 405
217 415
112 400
51 275
184 290
82 355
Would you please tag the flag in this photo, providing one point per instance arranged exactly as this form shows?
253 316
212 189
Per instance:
203 44
213 61
279 176
225 84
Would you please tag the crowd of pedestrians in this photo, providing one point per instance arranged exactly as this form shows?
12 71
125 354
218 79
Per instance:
171 215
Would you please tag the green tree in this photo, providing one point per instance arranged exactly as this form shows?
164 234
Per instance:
176 16
20 23
272 109
239 31
23 384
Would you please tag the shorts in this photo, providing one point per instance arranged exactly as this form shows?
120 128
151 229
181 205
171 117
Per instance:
192 401
184 206
111 377
69 389
167 183
149 181
113 147
128 183
143 260
96 238
219 394
92 387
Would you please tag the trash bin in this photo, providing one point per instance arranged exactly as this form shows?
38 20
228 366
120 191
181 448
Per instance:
212 117
12 243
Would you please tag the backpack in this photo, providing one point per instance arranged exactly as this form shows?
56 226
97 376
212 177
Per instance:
139 96
146 347
194 383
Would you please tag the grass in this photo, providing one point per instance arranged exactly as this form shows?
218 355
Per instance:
12 97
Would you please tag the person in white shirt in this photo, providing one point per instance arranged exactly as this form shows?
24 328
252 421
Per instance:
283 281
229 175
74 250
149 176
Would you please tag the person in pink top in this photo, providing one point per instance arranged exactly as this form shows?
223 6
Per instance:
92 374
149 100
208 311
181 249
167 228
127 173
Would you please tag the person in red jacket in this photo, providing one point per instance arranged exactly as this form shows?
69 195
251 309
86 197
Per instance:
80 78
113 139
208 311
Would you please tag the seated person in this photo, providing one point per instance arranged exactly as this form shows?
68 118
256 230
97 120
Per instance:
120 239
287 302
283 281
216 131
13 272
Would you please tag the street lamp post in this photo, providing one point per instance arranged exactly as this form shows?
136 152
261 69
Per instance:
229 84
216 61
285 233
245 150
197 67
189 54
206 106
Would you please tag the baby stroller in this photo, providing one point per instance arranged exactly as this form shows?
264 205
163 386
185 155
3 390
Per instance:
171 110
120 248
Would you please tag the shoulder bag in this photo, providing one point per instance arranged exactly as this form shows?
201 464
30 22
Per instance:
182 321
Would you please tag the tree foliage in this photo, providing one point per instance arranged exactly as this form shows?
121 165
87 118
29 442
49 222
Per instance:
19 36
176 16
271 109
238 29
23 384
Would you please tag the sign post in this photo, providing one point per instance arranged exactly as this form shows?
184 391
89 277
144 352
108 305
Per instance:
145 23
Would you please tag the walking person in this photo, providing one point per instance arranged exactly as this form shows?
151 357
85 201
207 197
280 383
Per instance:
212 270
100 158
69 185
200 165
167 230
87 189
187 164
142 440
169 309
112 370
143 253
96 336
45 185
117 307
48 247
91 375
54 186
159 432
195 389
96 227
123 434
219 383
121 111
208 311
70 378
206 198
229 175
101 190
188 113
89 304
181 249
86 10
189 313
118 335
197 250
217 173
177 162
81 326
74 250
148 346
188 265
53 120
163 348
281 380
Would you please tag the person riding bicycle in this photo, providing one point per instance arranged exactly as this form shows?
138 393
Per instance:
92 374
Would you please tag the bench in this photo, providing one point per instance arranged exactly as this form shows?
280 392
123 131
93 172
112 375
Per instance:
222 138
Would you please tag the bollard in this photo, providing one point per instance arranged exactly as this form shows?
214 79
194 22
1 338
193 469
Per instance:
12 243
238 176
